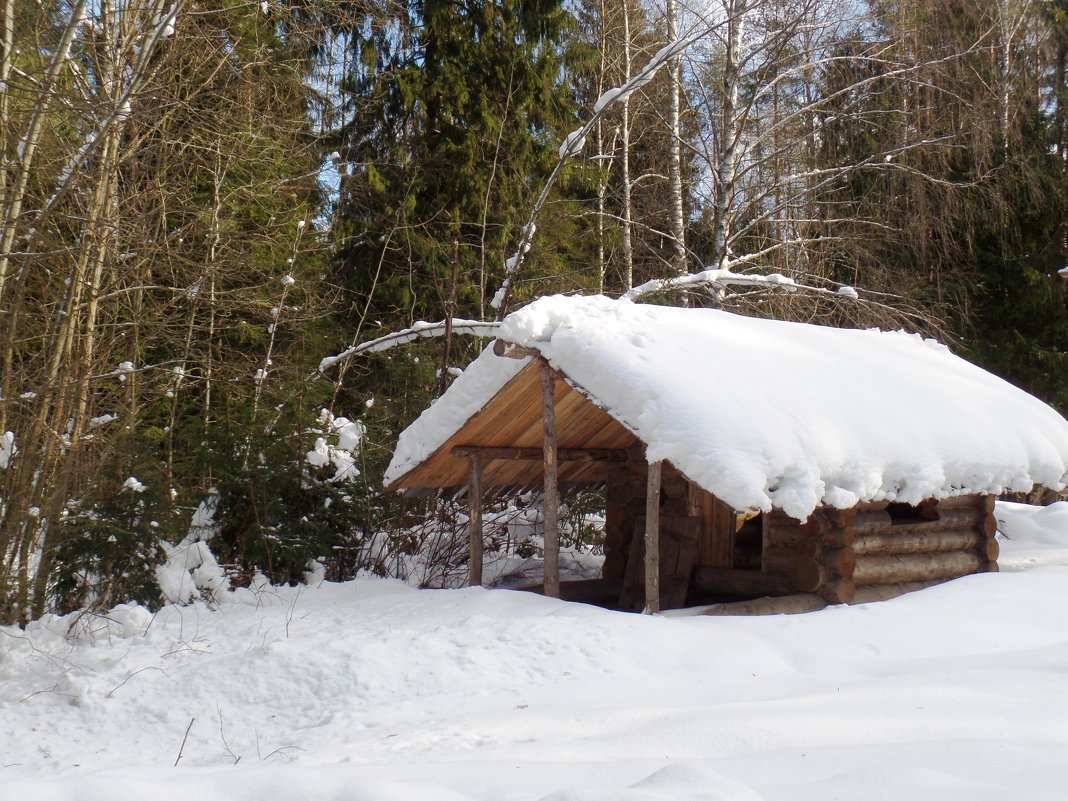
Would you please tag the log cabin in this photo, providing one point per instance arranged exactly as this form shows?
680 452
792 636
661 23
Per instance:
740 458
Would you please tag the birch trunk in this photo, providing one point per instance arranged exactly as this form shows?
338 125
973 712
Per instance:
628 216
678 209
730 137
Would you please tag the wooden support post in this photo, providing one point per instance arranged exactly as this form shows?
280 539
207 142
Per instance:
474 501
551 495
652 539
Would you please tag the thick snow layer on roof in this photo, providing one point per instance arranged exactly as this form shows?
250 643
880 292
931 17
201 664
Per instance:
464 397
765 413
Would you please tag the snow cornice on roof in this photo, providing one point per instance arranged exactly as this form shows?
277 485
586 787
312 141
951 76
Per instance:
766 413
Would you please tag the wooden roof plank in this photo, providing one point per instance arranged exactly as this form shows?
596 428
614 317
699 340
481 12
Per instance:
513 419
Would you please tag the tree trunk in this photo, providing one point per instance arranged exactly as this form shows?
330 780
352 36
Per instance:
678 206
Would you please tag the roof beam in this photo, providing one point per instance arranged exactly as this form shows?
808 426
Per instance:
512 351
537 454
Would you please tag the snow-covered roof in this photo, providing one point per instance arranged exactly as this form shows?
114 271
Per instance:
765 413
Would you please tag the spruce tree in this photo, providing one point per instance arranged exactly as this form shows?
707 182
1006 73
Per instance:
457 113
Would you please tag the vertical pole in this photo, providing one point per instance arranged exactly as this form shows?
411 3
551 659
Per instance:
652 539
552 497
474 501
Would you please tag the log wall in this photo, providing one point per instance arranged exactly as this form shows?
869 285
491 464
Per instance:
896 554
873 551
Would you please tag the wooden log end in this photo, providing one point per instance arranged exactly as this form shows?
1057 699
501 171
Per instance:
808 575
510 350
989 525
839 591
872 519
839 561
841 518
815 524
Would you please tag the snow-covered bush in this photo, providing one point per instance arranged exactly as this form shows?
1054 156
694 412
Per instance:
190 571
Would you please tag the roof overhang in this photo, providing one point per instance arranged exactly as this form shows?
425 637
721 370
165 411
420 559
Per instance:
512 420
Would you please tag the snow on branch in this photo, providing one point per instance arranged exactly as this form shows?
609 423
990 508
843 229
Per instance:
722 278
574 142
420 330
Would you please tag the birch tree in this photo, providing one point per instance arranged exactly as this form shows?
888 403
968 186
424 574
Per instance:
157 169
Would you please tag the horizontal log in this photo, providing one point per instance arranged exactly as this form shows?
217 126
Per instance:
872 519
512 351
884 592
982 502
891 542
915 567
870 506
948 520
779 562
782 605
786 537
777 517
812 531
794 549
906 529
733 581
538 454
837 538
977 502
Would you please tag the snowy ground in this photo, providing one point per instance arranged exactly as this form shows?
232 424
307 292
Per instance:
372 691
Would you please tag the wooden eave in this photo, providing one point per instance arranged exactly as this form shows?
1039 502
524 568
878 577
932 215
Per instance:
513 419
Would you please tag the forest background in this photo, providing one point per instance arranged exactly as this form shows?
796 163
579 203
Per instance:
200 201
